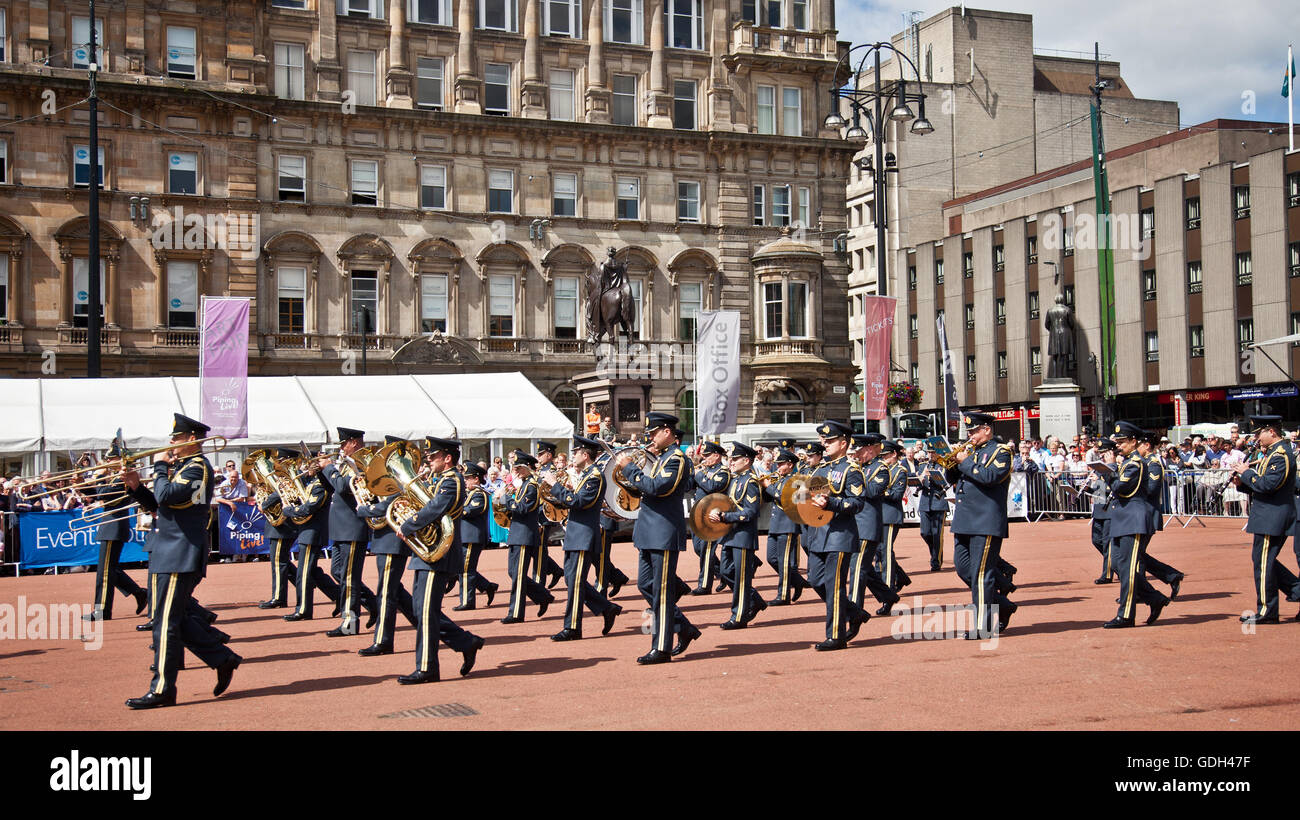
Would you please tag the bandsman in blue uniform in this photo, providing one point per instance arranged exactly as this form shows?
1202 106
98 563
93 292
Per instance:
863 573
350 534
475 533
710 477
660 536
391 556
1271 515
783 534
545 566
932 510
830 546
582 539
811 456
891 515
447 491
609 578
109 499
181 496
280 539
525 533
979 522
1155 487
1131 523
742 538
313 537
1099 489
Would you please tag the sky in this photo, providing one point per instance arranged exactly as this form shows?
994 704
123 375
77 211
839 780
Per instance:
1202 55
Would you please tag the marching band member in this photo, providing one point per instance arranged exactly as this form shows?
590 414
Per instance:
113 501
660 536
1271 513
932 510
525 532
609 578
1154 487
812 456
313 535
979 522
582 539
391 557
1130 520
783 535
544 566
280 537
830 545
182 501
710 477
349 534
891 516
475 533
870 524
742 538
431 625
1100 491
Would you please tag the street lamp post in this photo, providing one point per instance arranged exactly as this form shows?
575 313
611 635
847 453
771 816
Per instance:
361 319
871 104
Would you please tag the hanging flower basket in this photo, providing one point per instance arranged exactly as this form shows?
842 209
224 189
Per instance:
904 395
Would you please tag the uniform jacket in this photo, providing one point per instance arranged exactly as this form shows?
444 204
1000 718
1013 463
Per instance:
1100 498
870 518
287 531
981 487
345 524
934 493
746 494
582 531
525 517
474 527
891 506
1272 492
183 507
779 523
711 480
316 530
1130 513
1154 486
845 501
448 495
661 523
383 541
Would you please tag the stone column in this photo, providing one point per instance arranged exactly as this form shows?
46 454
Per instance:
658 101
398 82
533 90
718 115
598 93
328 71
469 86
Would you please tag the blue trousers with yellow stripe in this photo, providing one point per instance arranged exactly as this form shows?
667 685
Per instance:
828 572
392 598
577 563
283 572
521 559
1263 554
976 558
311 578
109 577
864 576
932 522
659 585
1126 554
471 581
607 574
745 601
783 556
708 552
346 564
175 629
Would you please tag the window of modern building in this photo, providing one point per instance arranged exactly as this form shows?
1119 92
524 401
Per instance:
433 12
913 328
690 301
1067 241
1000 310
290 79
1294 252
1153 346
564 194
291 296
182 54
501 192
361 76
365 182
433 303
1031 250
1293 189
563 18
760 205
624 22
566 307
970 368
1193 277
562 94
915 372
500 15
182 294
766 99
970 316
688 202
496 89
182 172
501 306
1033 304
1148 285
1193 207
628 203
999 258
1241 201
365 300
792 112
911 277
938 271
684 21
684 105
80 45
81 166
1068 293
1147 222
1244 276
1002 364
1196 341
81 290
624 112
1036 361
1245 333
780 205
433 187
1295 327
428 83
967 265
291 172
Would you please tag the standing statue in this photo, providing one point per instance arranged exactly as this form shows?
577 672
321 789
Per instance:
1060 324
609 300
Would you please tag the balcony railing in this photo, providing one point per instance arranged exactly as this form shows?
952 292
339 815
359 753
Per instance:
503 345
4 335
566 346
78 336
353 341
293 341
176 338
788 347
747 38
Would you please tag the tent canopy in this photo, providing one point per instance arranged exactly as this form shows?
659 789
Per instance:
84 414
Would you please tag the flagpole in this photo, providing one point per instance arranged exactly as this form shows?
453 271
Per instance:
1290 100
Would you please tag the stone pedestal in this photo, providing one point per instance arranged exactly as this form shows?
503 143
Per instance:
624 400
1060 410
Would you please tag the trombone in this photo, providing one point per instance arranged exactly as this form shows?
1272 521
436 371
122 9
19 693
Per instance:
103 515
109 468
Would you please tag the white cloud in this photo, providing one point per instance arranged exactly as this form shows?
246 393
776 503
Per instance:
1201 55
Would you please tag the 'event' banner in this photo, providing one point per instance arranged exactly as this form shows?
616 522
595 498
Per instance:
875 360
717 371
239 531
223 366
48 540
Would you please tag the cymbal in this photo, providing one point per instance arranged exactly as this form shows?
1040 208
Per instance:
796 500
705 529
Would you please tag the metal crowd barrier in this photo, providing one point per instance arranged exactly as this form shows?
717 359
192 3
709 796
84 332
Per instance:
1061 496
1189 495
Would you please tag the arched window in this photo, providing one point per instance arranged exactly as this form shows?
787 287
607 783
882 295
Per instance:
567 400
785 407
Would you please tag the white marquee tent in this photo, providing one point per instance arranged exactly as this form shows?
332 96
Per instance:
83 414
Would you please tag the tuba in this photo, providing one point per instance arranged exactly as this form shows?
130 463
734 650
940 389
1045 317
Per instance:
264 476
353 468
400 466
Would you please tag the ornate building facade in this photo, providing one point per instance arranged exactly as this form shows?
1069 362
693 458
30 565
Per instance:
430 180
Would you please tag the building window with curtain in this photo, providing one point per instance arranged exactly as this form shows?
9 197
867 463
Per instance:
1036 360
561 94
1196 342
685 23
1194 277
433 187
182 54
361 76
624 106
688 202
1245 333
496 89
498 15
501 306
564 195
365 182
760 206
432 12
292 176
566 307
433 303
291 297
792 112
290 81
81 290
182 173
563 18
428 83
501 191
690 302
624 21
1153 346
365 301
684 105
81 166
970 368
182 294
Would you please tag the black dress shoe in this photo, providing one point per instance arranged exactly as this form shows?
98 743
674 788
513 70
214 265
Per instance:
553 580
211 618
614 588
684 640
1118 623
297 616
419 677
798 590
610 616
225 672
1267 619
733 624
654 656
721 588
470 655
1156 609
696 591
374 616
271 605
141 602
374 649
1175 585
935 567
885 609
492 593
567 635
1010 589
147 626
1103 580
1005 620
778 602
510 619
152 701
830 645
541 608
95 616
855 625
463 607
338 632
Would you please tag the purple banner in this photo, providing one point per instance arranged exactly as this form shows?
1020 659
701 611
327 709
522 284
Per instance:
223 366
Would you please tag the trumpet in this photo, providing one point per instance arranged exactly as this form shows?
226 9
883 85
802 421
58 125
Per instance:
943 453
499 513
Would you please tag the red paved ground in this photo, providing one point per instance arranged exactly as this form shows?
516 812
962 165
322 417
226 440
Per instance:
1195 669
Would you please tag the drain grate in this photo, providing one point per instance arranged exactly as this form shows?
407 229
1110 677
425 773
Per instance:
442 710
